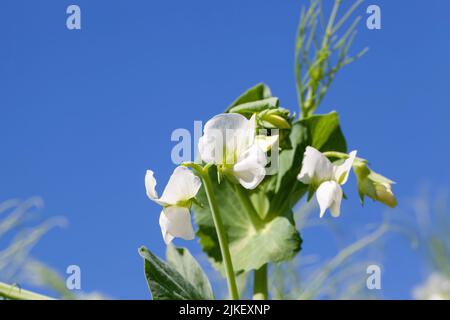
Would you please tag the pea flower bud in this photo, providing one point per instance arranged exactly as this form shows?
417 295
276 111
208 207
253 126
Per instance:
373 185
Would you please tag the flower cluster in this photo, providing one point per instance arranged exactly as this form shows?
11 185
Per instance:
231 144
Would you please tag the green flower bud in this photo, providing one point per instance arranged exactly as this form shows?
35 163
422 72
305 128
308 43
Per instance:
277 118
374 185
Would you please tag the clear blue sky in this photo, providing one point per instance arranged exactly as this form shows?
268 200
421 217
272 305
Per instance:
84 113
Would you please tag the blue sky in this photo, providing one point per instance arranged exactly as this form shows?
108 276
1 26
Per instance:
84 113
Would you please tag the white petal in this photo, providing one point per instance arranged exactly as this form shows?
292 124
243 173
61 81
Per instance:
225 137
250 169
246 135
207 145
341 172
335 208
329 195
183 185
150 185
177 223
266 142
163 223
315 166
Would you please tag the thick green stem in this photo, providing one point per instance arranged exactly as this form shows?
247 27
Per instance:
260 284
223 241
15 293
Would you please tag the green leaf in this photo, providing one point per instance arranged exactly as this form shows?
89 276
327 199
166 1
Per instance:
249 108
167 283
182 261
289 165
325 133
275 240
260 202
258 92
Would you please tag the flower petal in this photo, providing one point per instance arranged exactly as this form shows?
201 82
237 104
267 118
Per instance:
163 223
183 185
225 137
266 142
250 169
385 195
177 223
341 172
150 185
335 208
329 195
315 167
208 144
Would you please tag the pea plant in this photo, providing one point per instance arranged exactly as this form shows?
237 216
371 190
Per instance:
257 161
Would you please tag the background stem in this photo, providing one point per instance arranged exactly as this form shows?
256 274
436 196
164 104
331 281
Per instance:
260 283
223 241
15 293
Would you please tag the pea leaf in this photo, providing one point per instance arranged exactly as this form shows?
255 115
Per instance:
182 261
258 92
249 108
276 240
167 283
289 165
325 133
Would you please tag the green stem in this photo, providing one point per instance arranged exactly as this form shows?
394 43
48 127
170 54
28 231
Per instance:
15 293
260 284
223 241
329 29
249 208
260 275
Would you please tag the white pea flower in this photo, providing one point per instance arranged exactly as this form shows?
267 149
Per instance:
229 141
436 287
175 218
326 177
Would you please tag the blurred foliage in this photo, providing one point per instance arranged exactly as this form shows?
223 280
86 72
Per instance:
341 277
19 234
423 221
20 231
432 217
